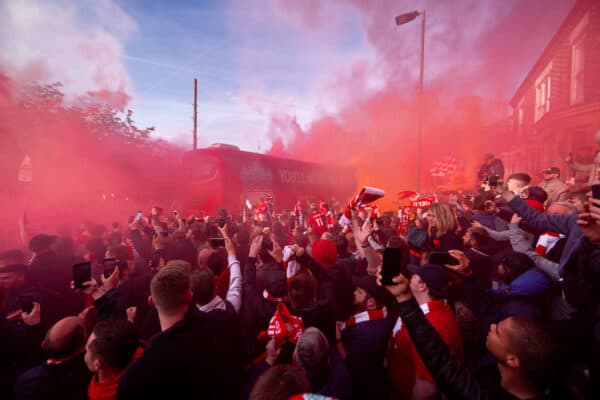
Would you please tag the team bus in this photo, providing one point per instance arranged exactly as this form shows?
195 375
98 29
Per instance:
223 176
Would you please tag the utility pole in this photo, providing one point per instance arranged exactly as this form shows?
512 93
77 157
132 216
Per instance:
420 101
401 20
195 113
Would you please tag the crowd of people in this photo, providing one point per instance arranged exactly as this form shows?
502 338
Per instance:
498 296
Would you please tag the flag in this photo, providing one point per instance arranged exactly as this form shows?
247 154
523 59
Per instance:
406 193
444 167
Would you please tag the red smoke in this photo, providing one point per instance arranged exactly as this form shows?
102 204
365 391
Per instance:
89 160
477 53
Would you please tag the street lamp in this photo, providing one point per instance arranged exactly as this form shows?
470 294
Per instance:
401 20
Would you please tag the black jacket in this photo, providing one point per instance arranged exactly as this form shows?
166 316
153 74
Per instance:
366 345
193 356
67 380
256 310
453 379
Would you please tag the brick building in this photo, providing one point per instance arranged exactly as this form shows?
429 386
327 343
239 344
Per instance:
556 109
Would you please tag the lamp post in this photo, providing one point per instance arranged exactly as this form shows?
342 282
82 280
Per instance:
401 20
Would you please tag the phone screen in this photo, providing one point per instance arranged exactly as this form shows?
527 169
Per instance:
596 191
138 216
82 273
442 258
26 303
390 267
109 266
217 242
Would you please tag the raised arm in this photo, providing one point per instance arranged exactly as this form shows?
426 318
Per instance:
234 293
542 222
453 379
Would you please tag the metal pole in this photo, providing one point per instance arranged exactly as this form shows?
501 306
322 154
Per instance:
420 123
195 113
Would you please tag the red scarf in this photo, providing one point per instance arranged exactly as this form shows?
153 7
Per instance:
283 326
371 315
546 242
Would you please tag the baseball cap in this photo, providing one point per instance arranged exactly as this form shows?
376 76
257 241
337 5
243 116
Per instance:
435 277
552 170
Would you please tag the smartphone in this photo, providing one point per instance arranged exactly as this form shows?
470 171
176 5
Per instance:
138 216
82 273
216 242
442 258
267 243
26 303
596 191
109 266
391 264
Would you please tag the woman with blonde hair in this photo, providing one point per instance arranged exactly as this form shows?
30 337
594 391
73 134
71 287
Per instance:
442 228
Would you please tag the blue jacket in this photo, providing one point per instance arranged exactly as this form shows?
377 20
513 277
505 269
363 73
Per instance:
531 283
491 221
565 224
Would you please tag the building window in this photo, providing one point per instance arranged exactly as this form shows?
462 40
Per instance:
520 112
577 63
577 40
543 87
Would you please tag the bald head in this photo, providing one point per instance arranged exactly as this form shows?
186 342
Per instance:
65 338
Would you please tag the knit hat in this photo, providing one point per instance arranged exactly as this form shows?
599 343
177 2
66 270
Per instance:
325 252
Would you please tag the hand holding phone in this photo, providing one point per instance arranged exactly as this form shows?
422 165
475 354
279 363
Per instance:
26 303
442 258
391 265
109 265
82 273
596 191
217 242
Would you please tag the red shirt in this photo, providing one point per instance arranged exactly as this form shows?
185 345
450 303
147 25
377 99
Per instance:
405 364
318 222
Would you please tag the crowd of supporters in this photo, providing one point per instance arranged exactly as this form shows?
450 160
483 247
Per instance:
498 297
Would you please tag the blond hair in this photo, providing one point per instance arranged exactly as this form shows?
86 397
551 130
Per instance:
446 220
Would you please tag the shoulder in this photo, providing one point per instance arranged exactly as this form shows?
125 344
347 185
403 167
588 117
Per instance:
30 376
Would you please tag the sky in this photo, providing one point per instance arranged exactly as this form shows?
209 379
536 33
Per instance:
268 69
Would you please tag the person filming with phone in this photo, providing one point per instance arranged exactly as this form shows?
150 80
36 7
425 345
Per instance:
410 377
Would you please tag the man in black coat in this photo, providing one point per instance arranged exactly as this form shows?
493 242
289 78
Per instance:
527 356
189 356
64 375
